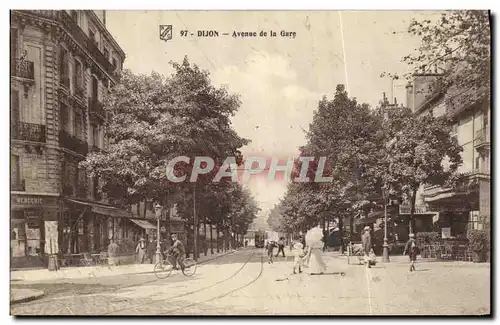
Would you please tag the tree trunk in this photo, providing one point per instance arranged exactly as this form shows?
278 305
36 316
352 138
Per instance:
412 209
195 224
217 235
205 248
341 233
211 239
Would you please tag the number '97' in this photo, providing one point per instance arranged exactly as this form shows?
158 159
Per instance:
184 33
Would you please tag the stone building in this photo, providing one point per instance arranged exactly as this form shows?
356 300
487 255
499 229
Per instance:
62 64
454 211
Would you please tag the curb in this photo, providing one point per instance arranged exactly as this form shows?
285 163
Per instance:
28 298
151 272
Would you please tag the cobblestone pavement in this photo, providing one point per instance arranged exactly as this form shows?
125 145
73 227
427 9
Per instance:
240 284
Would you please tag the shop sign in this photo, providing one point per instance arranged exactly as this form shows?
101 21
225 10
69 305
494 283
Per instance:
29 200
419 209
33 200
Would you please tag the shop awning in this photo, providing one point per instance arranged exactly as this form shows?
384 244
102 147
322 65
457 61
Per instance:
143 224
103 209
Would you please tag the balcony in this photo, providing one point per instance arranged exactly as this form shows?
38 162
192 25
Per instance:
79 92
72 143
18 185
482 139
27 132
22 69
96 108
93 48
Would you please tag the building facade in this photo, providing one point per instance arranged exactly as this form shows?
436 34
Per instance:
62 64
454 211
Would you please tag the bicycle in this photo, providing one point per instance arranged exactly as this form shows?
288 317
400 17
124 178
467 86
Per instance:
163 268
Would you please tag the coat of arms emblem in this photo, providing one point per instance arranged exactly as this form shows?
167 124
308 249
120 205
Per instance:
165 32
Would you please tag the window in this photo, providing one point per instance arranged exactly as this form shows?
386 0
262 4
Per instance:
15 112
15 170
478 160
74 15
106 53
115 65
78 75
95 135
92 36
64 67
13 43
78 127
63 118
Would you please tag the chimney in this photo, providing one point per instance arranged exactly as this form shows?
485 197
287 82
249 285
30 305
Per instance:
395 102
104 17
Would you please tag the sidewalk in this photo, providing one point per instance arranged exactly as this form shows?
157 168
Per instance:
24 295
92 271
400 259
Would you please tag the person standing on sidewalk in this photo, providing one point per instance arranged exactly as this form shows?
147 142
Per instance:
412 249
141 251
112 252
281 246
151 249
366 240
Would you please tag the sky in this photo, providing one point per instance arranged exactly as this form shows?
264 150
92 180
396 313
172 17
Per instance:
279 79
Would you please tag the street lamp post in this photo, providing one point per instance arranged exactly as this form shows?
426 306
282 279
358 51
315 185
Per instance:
385 253
158 211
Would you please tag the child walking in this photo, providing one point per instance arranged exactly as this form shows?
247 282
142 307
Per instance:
412 249
298 253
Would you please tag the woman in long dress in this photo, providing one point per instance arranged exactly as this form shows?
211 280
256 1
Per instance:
315 264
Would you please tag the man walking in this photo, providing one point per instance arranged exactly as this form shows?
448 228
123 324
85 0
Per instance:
412 249
281 247
367 245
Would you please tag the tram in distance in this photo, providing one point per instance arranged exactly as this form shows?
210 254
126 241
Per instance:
259 239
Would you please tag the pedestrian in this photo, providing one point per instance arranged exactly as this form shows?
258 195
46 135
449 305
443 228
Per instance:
151 249
298 254
270 248
367 245
413 250
246 243
112 252
281 247
141 251
315 263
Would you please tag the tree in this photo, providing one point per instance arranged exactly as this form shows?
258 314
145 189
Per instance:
348 135
458 44
155 119
417 153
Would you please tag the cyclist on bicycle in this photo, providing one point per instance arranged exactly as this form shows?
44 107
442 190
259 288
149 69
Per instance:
177 252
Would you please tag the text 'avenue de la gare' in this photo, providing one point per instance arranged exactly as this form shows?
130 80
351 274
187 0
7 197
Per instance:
243 34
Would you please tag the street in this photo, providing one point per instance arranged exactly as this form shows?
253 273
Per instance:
243 283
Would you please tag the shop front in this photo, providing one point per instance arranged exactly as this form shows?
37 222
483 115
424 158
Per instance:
33 229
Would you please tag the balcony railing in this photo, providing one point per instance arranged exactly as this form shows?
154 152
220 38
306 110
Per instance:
79 92
72 143
22 69
28 132
19 185
96 108
482 137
